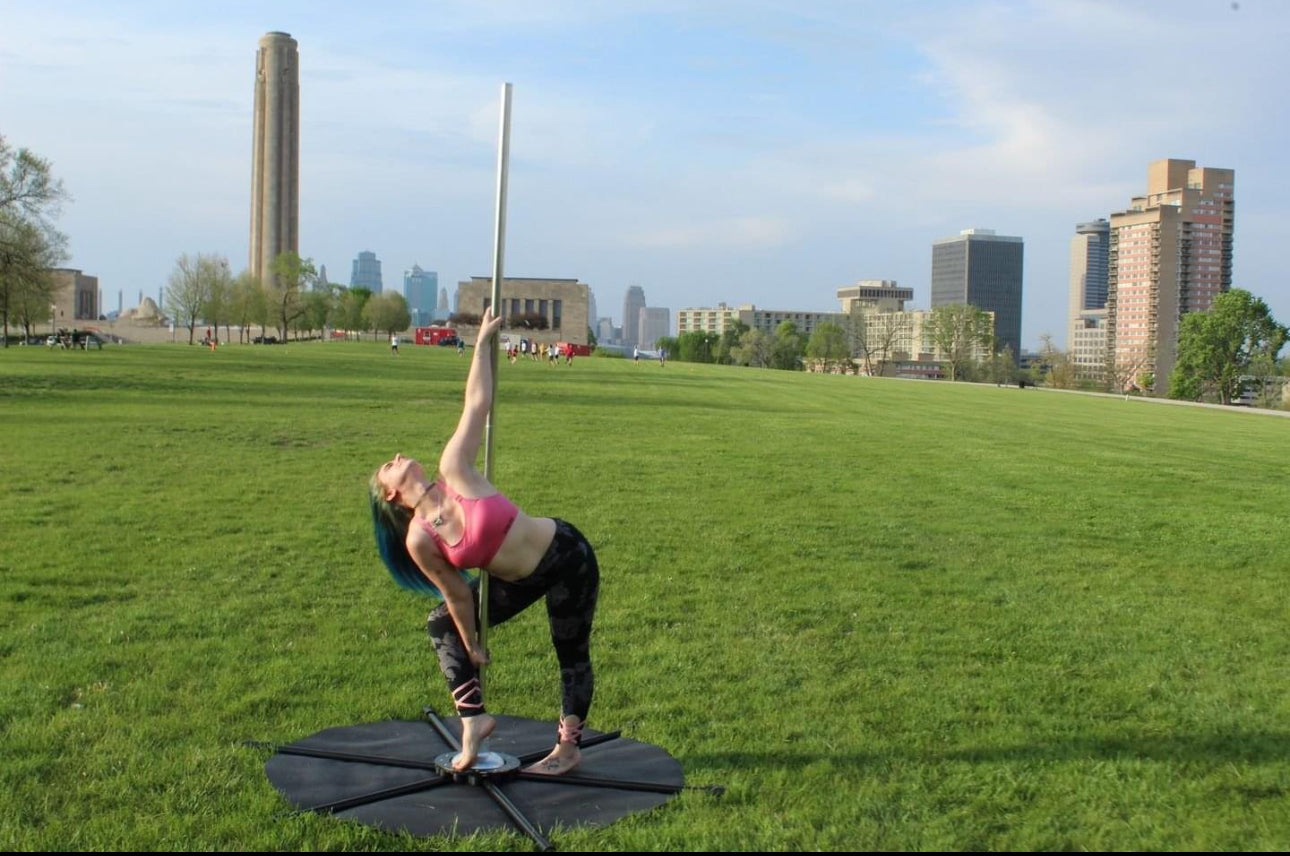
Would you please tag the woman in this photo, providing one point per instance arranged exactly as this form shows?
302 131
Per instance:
428 530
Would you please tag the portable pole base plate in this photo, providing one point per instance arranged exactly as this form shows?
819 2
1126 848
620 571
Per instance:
389 775
488 765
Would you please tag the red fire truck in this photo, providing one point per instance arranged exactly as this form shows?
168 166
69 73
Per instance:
436 336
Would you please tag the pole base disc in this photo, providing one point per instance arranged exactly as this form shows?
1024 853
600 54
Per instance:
487 765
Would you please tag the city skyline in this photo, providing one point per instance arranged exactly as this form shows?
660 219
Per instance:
739 153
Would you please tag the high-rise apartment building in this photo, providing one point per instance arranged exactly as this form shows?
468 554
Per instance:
275 154
1170 254
366 272
982 269
1089 273
705 319
633 303
441 310
421 290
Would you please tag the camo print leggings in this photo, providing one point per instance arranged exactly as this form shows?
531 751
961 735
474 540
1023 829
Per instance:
570 578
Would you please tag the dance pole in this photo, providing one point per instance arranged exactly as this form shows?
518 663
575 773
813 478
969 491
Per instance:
499 251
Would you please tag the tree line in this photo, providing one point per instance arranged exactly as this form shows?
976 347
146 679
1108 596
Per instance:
1233 348
202 290
740 345
958 332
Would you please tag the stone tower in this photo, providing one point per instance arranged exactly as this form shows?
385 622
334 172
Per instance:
275 153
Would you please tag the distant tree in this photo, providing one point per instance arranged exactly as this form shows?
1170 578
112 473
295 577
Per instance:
30 197
1268 376
318 309
729 341
787 348
465 319
1129 376
671 344
873 336
219 295
31 304
591 337
754 349
1216 348
388 311
188 290
246 303
351 309
266 307
292 276
1003 366
695 346
335 311
27 288
28 189
1059 367
958 330
829 344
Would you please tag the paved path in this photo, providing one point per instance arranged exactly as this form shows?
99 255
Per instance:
1228 408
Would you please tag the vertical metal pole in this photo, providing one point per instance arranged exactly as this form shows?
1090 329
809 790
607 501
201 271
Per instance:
499 251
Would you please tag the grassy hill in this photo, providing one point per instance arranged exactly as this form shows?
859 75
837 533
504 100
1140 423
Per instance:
885 615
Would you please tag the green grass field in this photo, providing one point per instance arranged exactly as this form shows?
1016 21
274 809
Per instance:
885 615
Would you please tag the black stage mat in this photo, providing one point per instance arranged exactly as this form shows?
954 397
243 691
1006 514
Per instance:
401 754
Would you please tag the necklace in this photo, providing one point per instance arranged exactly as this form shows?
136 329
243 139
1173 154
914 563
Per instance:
438 515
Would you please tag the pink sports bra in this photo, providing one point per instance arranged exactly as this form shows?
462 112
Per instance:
485 522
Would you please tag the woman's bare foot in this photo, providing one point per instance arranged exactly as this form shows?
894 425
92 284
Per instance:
474 731
566 755
563 758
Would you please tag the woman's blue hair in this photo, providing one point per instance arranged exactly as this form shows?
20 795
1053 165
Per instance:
390 526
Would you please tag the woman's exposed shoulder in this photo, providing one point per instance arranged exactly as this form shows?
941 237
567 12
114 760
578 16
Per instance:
418 538
425 551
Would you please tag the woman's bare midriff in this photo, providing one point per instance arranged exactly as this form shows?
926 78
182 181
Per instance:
525 545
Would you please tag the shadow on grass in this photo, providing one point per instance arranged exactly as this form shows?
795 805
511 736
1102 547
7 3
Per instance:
1254 747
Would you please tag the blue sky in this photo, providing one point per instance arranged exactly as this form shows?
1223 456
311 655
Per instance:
758 151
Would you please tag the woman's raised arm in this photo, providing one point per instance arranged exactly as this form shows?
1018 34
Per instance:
458 458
